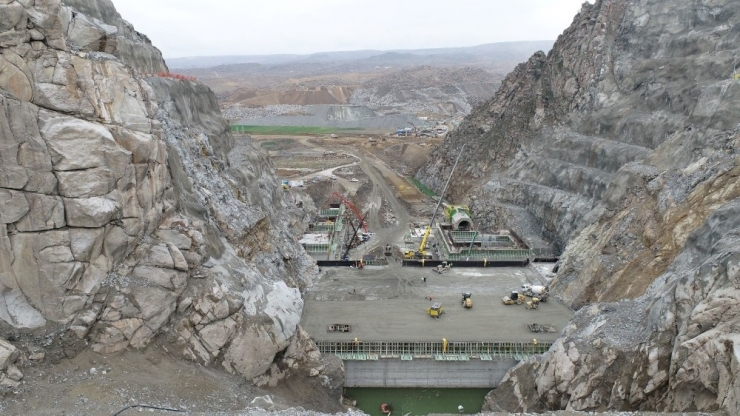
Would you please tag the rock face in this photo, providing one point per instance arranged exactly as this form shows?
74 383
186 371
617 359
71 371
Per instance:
618 151
127 209
426 89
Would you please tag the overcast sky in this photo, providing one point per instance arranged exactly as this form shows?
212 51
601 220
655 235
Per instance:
183 28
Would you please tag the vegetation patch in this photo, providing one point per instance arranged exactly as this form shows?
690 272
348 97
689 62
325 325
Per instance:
421 187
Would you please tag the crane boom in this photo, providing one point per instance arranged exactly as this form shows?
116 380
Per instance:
345 256
421 252
353 208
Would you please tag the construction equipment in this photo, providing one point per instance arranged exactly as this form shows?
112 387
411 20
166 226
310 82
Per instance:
353 208
421 253
339 328
467 302
534 303
541 292
414 130
442 268
436 310
535 327
345 256
514 299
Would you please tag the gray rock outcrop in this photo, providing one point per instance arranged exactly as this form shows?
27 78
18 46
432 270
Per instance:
127 209
618 152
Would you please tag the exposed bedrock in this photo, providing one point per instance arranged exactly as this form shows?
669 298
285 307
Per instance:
618 151
127 209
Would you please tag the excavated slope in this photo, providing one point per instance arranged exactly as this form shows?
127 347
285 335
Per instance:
618 151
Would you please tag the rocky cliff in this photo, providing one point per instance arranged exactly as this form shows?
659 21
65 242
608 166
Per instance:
618 151
127 209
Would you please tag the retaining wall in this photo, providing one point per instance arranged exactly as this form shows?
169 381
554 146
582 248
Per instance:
426 373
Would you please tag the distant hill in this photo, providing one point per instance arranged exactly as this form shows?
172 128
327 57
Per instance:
487 55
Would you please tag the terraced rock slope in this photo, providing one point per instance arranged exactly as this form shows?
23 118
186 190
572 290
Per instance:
618 151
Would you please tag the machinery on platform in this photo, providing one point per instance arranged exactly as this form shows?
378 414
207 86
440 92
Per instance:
436 310
467 302
541 292
353 208
514 299
345 256
534 303
443 268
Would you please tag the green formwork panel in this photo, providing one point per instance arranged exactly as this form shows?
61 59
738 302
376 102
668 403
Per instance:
485 357
407 357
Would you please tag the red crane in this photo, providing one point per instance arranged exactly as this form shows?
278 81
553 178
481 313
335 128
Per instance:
353 208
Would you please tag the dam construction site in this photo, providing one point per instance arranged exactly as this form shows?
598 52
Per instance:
532 228
425 303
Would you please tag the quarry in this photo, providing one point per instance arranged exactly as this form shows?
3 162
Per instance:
565 244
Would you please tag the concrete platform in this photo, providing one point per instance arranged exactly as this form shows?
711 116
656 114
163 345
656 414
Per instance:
388 304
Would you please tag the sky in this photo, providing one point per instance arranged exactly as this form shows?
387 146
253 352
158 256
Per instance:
182 28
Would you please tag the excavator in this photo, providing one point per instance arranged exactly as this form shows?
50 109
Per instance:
421 252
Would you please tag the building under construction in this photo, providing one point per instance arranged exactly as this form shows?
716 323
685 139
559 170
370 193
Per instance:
456 238
336 229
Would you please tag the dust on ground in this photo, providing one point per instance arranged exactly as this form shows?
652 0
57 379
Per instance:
94 384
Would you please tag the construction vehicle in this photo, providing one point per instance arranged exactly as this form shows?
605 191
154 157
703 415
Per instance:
443 268
514 299
534 303
345 256
436 310
421 253
467 302
353 208
541 292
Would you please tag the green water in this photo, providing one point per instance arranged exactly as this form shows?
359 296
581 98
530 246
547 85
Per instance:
417 401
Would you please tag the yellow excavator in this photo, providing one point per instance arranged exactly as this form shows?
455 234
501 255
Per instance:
421 253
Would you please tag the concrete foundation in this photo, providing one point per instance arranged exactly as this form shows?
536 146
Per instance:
426 373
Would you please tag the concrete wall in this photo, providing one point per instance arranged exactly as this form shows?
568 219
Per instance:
425 373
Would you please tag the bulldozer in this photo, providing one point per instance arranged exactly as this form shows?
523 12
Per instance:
467 302
436 310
